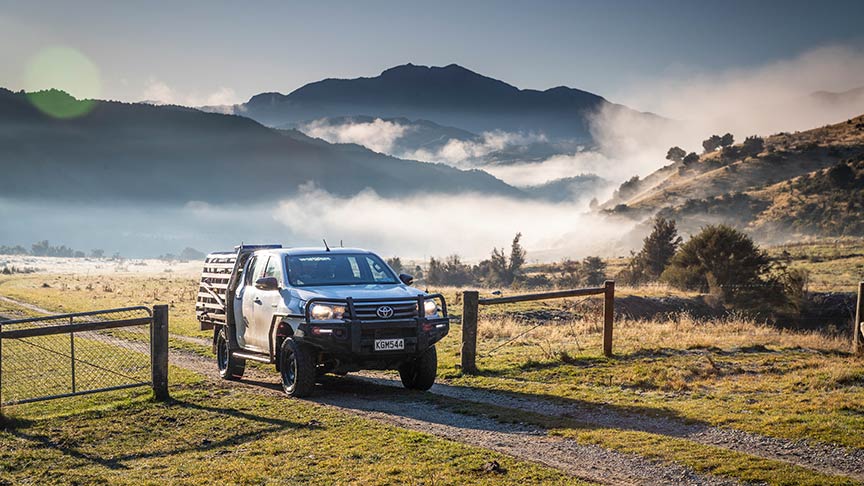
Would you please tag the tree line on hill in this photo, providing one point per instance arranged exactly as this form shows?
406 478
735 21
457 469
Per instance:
45 249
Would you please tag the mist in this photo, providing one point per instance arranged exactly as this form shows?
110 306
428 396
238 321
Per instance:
760 100
378 135
438 225
782 96
416 227
469 153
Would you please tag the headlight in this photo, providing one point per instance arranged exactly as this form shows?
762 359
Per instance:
323 312
431 307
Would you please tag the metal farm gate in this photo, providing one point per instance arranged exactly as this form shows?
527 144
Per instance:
65 355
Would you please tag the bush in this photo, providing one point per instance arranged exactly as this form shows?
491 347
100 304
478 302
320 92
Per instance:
725 262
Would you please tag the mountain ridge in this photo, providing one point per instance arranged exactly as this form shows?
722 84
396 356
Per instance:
450 95
133 151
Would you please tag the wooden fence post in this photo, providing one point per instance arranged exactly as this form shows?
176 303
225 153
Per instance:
159 352
608 317
857 328
470 304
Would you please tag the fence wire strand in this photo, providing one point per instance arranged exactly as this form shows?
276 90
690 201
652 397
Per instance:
80 361
542 322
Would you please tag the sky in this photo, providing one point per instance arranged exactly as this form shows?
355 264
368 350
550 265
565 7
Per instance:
198 52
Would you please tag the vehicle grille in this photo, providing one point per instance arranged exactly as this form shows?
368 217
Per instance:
401 310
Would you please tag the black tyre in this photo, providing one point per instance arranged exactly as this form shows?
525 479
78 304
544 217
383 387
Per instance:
230 368
420 373
297 368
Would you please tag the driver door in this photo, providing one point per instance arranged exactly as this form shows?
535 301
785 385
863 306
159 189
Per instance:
262 322
249 302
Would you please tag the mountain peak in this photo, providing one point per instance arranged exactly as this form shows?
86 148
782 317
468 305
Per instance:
419 70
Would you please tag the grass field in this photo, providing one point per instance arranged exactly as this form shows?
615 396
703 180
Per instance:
732 373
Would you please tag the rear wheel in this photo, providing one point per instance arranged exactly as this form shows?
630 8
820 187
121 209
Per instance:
420 373
297 367
230 368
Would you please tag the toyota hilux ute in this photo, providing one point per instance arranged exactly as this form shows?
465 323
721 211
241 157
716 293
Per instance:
312 311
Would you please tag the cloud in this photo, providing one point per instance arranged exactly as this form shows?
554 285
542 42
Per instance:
378 135
437 225
158 92
470 153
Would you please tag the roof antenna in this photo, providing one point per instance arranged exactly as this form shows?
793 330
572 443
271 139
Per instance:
341 245
325 244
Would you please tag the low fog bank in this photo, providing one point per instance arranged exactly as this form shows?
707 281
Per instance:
416 227
134 230
436 225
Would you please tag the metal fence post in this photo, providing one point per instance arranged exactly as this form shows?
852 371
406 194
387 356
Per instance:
159 351
608 317
470 304
857 328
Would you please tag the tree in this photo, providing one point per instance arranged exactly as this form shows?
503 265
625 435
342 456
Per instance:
628 188
500 270
571 274
40 248
396 264
675 154
190 254
517 258
727 140
97 253
691 159
594 269
711 143
752 146
450 271
720 260
658 248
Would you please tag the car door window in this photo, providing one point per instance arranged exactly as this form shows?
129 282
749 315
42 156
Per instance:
256 267
274 269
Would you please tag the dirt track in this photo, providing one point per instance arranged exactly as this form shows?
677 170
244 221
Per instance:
378 397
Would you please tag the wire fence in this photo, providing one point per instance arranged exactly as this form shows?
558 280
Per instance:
74 354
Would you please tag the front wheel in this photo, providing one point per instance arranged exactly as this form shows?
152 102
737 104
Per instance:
419 374
230 368
297 367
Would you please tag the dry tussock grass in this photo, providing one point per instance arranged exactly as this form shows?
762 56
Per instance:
681 332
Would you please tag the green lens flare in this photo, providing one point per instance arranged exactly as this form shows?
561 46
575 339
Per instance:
62 68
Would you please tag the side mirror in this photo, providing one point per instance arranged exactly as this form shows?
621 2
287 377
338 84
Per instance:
267 283
406 279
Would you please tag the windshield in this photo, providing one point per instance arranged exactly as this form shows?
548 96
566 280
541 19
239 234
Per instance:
341 269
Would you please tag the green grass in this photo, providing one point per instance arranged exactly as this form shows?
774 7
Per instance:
735 374
230 436
754 378
705 459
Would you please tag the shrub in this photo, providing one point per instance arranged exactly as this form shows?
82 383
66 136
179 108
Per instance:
725 262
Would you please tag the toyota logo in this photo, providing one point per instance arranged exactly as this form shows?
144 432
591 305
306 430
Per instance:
385 312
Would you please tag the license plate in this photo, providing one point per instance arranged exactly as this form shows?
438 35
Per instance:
389 344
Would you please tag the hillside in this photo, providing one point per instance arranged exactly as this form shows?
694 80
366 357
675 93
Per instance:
169 153
450 95
806 183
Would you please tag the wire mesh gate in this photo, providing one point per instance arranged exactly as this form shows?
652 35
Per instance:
65 355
